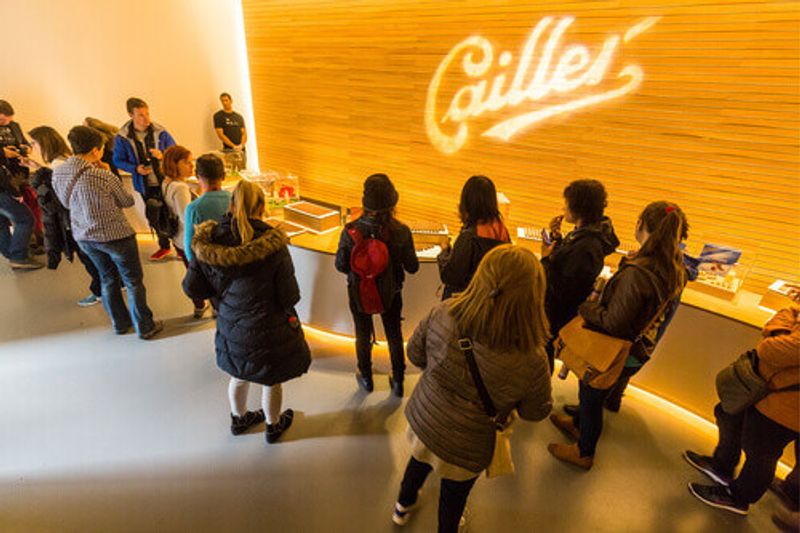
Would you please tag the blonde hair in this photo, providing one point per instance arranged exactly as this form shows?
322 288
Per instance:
503 305
247 202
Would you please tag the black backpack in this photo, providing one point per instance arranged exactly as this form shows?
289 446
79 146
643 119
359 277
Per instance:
159 215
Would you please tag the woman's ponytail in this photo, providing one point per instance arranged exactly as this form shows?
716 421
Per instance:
667 226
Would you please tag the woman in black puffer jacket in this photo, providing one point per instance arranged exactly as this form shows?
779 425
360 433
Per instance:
243 265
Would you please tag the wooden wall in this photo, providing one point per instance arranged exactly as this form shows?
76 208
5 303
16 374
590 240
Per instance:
340 87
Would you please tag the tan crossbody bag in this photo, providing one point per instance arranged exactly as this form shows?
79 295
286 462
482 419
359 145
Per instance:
596 358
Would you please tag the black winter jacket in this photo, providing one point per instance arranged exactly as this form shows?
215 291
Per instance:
11 171
572 268
259 337
402 255
55 218
458 265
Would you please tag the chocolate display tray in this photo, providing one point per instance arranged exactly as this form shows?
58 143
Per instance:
314 217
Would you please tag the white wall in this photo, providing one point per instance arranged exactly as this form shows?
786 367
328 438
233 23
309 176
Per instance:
65 60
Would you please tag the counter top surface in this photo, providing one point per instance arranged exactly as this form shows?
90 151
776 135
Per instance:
742 308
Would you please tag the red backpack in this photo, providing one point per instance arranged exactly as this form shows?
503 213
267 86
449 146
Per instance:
369 259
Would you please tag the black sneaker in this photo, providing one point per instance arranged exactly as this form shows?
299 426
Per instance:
158 325
717 496
365 382
706 465
396 386
779 487
274 431
240 424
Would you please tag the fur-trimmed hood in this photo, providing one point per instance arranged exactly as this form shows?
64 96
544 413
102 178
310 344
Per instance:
219 255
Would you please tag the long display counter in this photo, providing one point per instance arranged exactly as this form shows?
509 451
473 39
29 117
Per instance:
706 334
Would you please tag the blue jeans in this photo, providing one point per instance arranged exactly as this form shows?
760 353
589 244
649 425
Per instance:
121 256
13 213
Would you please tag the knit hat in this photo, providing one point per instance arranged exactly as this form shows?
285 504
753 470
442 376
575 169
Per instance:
379 193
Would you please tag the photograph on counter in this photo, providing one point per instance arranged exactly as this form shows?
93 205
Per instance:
719 260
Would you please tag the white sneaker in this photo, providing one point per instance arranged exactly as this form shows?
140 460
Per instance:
401 515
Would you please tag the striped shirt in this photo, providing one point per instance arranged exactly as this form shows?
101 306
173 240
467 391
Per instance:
95 199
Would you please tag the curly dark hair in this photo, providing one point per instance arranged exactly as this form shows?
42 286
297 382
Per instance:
586 199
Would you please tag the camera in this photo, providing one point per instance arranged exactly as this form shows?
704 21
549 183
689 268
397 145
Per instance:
24 150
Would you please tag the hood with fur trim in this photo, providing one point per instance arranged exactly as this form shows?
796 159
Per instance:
221 255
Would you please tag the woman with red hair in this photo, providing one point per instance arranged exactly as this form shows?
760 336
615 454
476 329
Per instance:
178 165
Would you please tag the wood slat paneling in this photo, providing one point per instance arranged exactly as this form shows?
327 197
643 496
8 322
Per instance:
339 90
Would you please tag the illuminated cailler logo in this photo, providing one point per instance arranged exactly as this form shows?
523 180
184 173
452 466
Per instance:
543 71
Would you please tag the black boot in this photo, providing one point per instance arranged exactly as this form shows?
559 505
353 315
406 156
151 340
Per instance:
396 386
365 382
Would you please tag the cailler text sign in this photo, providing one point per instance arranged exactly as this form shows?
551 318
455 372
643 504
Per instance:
545 69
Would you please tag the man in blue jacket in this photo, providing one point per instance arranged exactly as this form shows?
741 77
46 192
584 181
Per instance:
138 150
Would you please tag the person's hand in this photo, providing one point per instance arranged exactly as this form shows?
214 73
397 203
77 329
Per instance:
102 164
555 227
144 170
237 148
30 163
547 249
155 152
445 243
11 152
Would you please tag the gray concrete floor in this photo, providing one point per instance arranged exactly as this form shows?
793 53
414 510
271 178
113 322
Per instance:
107 433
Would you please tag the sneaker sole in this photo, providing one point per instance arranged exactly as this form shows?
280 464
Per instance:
152 333
83 304
735 510
709 473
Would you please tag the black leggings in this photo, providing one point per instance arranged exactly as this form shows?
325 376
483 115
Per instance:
392 326
452 494
762 441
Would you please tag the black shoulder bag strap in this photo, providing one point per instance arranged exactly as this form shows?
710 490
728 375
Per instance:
74 183
465 345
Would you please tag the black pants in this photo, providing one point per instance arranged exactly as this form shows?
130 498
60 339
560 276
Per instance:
452 494
590 413
151 191
762 441
364 327
198 304
95 286
791 485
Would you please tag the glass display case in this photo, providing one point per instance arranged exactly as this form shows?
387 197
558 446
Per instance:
721 268
278 188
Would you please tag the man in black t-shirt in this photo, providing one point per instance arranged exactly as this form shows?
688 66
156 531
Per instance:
229 126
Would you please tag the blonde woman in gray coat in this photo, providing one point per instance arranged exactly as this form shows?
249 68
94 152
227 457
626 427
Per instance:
502 312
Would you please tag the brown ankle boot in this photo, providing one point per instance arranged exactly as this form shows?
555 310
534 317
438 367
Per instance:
569 453
566 424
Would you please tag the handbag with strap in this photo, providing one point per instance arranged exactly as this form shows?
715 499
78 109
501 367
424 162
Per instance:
502 464
739 384
596 358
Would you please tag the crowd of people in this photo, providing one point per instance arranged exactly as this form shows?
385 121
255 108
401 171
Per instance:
487 351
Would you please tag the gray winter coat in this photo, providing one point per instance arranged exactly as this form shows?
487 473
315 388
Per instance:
445 410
